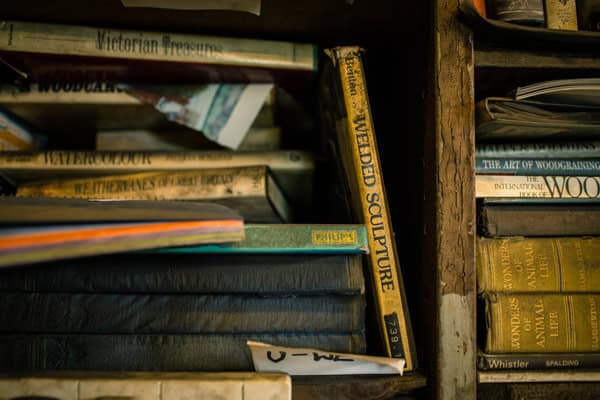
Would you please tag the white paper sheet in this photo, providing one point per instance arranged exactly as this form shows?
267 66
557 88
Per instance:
304 361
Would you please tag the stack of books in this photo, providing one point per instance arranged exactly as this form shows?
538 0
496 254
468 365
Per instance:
538 247
223 122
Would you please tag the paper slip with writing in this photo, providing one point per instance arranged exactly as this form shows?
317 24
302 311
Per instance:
302 361
251 6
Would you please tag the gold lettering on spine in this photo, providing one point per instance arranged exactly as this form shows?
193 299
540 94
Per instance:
515 323
595 341
506 266
540 323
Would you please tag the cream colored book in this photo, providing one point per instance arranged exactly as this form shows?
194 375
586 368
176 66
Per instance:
251 191
293 170
148 386
533 187
98 42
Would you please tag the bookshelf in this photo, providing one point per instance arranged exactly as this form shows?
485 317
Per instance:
467 63
369 25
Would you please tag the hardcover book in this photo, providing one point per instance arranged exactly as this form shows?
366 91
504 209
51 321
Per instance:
148 386
251 191
265 275
541 322
99 313
39 49
539 219
538 361
345 90
547 149
557 187
160 352
554 264
293 170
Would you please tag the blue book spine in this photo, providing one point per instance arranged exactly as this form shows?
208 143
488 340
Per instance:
538 166
263 275
155 352
94 313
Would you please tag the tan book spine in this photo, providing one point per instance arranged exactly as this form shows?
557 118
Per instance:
72 40
542 323
554 264
363 170
150 386
250 190
561 14
552 187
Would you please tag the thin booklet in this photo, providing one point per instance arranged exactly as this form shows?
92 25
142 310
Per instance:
41 229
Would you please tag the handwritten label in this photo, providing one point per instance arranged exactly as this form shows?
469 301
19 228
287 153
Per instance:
305 361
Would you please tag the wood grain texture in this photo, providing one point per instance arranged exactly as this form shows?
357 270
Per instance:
449 241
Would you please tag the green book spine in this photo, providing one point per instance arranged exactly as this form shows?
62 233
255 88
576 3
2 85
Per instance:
291 238
546 323
553 264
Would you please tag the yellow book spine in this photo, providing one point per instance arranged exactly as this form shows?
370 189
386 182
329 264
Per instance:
72 40
542 323
555 264
561 14
366 183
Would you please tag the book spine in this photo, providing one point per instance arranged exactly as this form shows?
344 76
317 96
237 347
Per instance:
538 186
249 190
150 386
137 313
287 238
538 166
566 150
266 275
208 184
70 40
539 220
518 264
518 11
155 352
365 179
561 14
516 361
105 162
545 323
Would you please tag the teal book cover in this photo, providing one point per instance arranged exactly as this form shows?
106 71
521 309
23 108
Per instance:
290 238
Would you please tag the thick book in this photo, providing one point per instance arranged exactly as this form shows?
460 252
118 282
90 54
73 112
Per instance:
541 219
97 313
251 191
293 170
357 146
546 150
557 187
529 264
290 238
49 352
541 322
148 386
537 361
260 274
24 43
